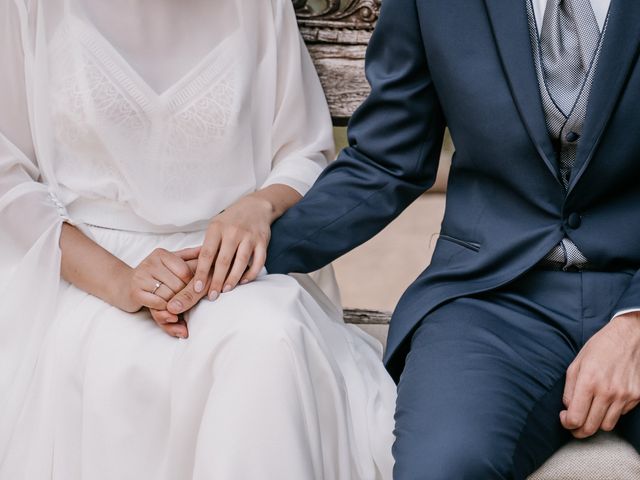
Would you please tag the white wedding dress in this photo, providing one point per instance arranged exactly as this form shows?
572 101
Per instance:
139 121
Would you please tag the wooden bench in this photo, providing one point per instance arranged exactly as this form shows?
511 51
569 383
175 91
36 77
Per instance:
337 33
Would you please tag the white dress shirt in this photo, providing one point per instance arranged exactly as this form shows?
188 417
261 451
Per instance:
600 8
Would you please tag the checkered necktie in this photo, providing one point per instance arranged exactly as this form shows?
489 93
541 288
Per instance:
568 42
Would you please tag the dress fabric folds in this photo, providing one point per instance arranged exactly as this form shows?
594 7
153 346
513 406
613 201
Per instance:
138 122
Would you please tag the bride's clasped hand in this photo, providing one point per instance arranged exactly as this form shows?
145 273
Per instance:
170 284
155 281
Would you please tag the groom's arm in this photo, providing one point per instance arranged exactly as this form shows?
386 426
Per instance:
395 140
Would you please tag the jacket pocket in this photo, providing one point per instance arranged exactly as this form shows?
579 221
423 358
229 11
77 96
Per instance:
463 243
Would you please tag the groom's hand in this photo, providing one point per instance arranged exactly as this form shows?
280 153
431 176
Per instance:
603 382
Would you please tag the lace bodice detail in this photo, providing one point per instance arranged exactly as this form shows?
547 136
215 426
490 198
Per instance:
202 120
155 118
96 95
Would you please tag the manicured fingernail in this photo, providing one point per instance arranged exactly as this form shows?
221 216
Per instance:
213 295
244 282
176 305
226 289
199 286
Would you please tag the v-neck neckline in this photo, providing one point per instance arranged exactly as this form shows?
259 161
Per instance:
174 95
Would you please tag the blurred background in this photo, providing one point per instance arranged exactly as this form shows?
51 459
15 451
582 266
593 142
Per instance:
375 275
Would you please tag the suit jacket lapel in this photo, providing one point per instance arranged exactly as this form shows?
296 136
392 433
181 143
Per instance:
619 52
510 25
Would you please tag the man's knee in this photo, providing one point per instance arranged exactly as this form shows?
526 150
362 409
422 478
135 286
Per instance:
461 456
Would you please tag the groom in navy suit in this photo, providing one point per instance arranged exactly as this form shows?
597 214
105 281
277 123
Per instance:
523 332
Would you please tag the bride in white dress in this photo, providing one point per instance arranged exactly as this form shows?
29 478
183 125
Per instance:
126 128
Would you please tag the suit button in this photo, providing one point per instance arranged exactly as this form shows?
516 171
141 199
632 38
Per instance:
572 137
574 221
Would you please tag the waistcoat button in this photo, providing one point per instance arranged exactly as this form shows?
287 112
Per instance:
572 137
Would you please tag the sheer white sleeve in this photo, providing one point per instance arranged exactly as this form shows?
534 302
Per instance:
27 209
302 136
30 223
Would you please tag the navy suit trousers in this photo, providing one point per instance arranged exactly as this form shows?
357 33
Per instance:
482 389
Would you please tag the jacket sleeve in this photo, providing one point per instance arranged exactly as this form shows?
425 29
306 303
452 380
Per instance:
630 300
395 139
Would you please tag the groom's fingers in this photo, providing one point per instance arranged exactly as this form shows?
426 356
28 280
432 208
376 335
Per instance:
576 414
629 406
612 417
570 382
595 417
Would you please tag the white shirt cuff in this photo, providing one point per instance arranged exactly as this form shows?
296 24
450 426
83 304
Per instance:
624 312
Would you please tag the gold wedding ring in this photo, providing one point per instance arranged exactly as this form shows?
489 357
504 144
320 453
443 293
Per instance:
158 285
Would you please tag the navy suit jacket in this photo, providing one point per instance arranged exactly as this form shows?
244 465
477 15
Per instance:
468 65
